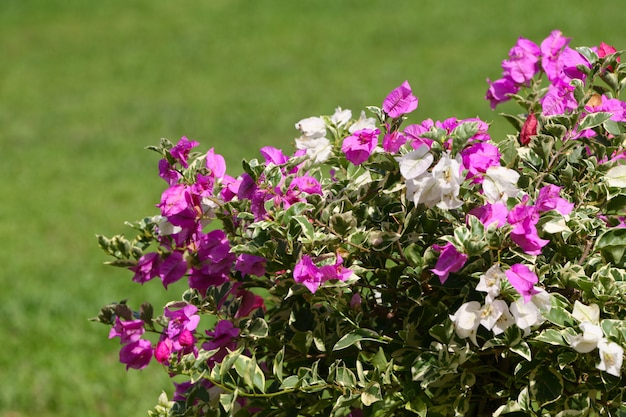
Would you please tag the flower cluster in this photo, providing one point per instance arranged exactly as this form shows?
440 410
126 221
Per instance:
383 268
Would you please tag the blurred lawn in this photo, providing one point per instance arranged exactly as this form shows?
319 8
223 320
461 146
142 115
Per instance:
84 86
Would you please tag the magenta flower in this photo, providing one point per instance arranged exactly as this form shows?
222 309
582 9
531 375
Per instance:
450 260
273 155
178 206
163 350
250 265
136 354
551 48
570 60
499 90
523 280
249 302
524 221
307 273
522 64
549 199
223 337
215 163
306 184
128 331
414 133
181 319
558 100
147 267
172 268
393 141
491 213
360 145
478 158
181 150
400 101
169 174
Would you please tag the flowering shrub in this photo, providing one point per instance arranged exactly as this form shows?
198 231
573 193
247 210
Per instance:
387 268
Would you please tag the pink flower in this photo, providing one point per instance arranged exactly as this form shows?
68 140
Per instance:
414 133
551 48
163 350
400 101
523 280
181 319
604 50
273 155
128 331
137 354
360 145
558 100
178 206
170 175
450 260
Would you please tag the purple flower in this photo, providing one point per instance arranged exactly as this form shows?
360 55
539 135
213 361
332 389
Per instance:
306 184
250 265
136 354
400 101
549 199
523 280
307 273
360 145
170 175
223 337
172 268
450 260
128 331
181 150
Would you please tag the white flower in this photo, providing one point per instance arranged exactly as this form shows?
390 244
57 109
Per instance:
363 123
466 320
542 300
415 163
490 281
588 340
584 313
312 127
447 173
341 117
318 149
526 315
166 228
491 313
505 321
500 183
423 190
611 357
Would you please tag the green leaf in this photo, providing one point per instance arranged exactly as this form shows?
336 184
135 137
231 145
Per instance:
594 119
612 245
277 367
616 176
355 337
523 350
546 385
251 372
305 226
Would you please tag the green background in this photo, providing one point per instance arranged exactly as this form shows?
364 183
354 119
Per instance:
86 85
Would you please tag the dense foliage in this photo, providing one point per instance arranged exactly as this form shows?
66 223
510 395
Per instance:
387 268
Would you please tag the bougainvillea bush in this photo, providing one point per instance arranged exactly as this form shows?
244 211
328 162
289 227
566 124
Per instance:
388 267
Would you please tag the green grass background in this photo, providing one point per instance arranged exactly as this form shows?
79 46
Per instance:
86 85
